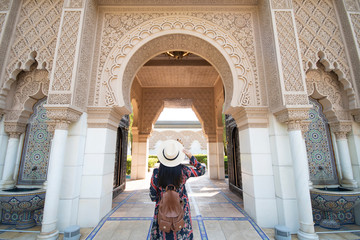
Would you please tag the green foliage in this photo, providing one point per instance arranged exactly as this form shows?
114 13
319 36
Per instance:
151 163
128 165
226 165
201 158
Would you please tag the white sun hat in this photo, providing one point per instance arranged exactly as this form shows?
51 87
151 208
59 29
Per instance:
170 153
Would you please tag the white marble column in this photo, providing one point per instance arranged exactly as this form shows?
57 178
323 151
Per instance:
55 171
3 145
7 180
301 169
345 160
139 161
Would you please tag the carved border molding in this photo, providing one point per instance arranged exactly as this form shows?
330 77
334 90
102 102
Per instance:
62 115
15 128
292 115
241 63
250 117
176 2
105 117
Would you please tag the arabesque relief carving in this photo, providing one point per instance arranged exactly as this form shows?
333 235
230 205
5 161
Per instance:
36 31
29 88
319 32
134 27
326 84
355 19
4 5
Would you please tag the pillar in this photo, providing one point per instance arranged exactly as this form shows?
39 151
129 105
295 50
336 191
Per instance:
354 148
140 153
301 176
215 154
14 129
55 170
7 180
3 145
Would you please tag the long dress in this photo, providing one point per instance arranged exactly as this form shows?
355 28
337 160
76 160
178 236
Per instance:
156 191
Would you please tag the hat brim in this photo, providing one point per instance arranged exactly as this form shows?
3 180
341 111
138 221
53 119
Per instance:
177 160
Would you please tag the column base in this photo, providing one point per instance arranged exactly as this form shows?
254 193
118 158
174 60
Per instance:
307 236
50 236
7 184
350 183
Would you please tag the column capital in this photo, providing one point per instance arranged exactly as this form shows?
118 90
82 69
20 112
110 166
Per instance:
293 114
355 113
105 117
250 117
341 129
15 129
62 116
139 136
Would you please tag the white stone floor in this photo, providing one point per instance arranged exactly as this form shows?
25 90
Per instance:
216 212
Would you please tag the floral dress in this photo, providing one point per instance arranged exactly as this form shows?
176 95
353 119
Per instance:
155 192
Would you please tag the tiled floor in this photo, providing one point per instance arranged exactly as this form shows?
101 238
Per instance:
216 213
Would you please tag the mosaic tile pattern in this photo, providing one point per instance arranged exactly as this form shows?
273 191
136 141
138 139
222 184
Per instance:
319 147
36 150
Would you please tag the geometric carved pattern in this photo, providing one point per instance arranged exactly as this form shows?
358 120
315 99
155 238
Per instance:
352 5
4 5
326 84
66 52
319 147
36 150
2 20
289 53
137 26
355 19
319 31
280 4
36 31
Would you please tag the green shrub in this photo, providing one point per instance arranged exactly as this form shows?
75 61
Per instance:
151 163
226 165
128 165
201 158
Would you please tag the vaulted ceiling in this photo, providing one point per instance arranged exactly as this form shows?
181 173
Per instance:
165 71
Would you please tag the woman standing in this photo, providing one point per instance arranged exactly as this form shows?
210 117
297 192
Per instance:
170 154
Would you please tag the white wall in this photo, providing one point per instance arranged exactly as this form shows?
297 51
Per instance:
97 176
283 175
71 179
258 177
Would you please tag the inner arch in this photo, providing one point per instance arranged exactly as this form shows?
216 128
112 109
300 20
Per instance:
178 42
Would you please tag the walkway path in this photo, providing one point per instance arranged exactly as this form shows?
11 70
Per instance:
216 213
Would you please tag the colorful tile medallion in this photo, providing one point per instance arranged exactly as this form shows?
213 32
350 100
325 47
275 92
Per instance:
319 147
36 150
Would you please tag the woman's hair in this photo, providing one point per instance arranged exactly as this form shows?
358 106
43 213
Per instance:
170 175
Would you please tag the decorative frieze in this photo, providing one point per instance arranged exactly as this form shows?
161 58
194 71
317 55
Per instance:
63 114
64 68
176 2
319 32
137 26
35 36
4 5
73 3
14 128
105 117
290 61
294 115
250 117
281 4
341 128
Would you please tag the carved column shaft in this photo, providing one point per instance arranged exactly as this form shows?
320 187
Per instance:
341 130
294 117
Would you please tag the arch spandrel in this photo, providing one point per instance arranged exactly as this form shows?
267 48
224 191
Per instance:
178 33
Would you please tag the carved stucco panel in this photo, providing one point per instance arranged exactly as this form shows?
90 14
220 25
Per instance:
281 4
2 20
289 52
355 19
216 27
73 3
28 85
65 59
327 85
4 5
319 32
87 42
352 5
36 30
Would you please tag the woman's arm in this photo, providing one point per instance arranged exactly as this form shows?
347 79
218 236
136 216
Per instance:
154 191
199 168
